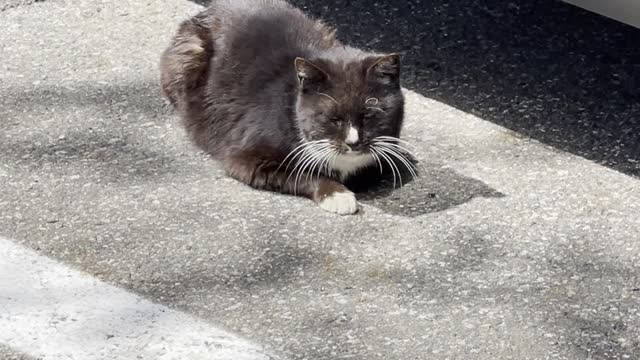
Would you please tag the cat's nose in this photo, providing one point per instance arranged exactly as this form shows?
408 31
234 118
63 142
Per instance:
352 136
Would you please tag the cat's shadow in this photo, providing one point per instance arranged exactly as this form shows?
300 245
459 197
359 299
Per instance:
436 188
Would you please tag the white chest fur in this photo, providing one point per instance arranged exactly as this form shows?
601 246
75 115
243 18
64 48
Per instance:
347 164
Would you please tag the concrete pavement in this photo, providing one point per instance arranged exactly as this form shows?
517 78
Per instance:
506 248
61 313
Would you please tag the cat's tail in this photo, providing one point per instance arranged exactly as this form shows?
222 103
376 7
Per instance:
185 62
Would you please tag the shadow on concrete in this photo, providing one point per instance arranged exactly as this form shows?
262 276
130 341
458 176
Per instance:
437 188
277 265
107 138
120 100
111 157
586 301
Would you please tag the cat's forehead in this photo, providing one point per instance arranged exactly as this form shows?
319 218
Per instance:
347 69
347 76
345 60
348 88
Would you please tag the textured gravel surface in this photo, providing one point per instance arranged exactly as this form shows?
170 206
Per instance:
7 353
506 248
8 4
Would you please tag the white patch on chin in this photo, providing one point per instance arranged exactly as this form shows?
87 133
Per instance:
340 202
349 163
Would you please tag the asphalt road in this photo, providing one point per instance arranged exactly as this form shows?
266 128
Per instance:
510 246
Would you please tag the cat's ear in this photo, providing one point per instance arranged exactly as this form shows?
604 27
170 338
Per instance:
385 69
308 73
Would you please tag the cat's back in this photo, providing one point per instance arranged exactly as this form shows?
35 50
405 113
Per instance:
247 8
233 63
259 28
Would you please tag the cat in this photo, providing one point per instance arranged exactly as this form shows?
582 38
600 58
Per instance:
284 106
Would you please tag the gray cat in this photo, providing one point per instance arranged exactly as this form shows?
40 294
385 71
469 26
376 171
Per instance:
284 106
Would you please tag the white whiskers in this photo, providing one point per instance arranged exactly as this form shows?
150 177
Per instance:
328 96
376 108
371 103
309 157
318 157
387 148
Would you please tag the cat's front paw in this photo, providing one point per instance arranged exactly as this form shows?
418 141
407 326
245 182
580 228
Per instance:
340 202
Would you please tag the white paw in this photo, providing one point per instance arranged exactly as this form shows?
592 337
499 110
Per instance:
343 203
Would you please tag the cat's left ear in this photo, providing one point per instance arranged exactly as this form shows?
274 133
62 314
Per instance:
385 69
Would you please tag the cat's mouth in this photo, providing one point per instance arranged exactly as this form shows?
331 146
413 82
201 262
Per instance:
353 150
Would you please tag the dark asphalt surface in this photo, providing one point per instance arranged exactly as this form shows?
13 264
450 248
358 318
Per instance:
548 70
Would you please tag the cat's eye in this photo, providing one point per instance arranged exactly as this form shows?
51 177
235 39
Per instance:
335 119
369 115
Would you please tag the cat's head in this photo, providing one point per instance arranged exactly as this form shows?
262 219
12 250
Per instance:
349 103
